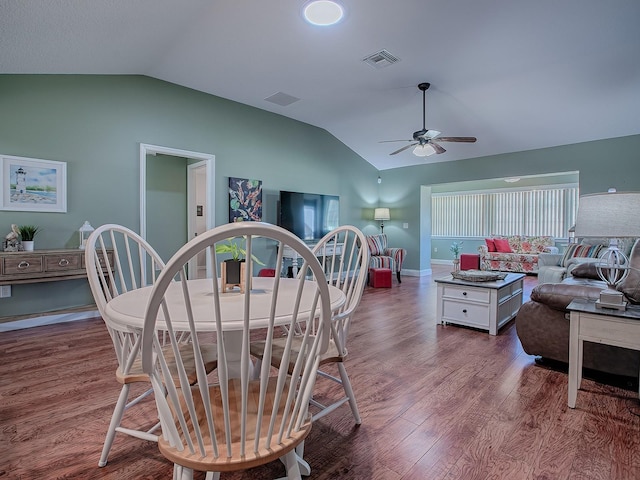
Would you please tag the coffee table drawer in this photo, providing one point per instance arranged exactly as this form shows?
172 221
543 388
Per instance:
471 314
466 293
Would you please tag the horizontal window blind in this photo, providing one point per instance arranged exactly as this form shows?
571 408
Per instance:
533 211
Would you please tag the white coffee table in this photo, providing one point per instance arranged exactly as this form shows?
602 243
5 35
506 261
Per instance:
484 305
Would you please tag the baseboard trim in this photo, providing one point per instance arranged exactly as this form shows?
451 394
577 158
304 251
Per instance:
416 273
441 262
47 320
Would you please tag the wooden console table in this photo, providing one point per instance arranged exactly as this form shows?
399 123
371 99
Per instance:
42 266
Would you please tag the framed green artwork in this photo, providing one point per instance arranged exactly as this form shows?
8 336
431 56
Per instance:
245 200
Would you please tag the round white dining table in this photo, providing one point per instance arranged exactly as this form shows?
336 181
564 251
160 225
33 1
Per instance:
128 309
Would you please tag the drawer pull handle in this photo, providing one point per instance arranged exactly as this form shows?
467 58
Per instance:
464 293
63 262
464 311
24 264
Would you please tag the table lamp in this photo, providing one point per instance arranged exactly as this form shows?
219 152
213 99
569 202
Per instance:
614 215
381 214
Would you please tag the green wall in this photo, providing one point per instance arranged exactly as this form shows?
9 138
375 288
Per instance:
96 123
601 164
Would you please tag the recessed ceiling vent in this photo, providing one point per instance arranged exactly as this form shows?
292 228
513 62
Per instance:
282 99
380 59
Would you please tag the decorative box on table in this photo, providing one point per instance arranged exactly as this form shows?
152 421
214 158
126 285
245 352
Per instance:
469 261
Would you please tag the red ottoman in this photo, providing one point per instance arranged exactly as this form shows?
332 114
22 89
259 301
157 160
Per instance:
469 261
380 277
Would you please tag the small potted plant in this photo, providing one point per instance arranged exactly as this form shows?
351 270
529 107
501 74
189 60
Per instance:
27 234
233 268
455 249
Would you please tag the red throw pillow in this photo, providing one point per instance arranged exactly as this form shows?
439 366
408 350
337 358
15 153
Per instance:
502 245
491 246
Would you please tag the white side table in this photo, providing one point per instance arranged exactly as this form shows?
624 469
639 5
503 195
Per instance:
620 328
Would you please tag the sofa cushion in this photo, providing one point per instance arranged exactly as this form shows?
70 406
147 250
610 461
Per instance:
630 287
581 250
491 245
585 270
377 244
535 244
559 295
502 245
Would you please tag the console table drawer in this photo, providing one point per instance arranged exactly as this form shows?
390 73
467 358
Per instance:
23 265
61 263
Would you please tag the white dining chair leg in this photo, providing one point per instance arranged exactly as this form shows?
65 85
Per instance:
346 384
305 468
212 476
182 473
116 418
291 464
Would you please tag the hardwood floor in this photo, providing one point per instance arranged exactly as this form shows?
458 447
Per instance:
437 402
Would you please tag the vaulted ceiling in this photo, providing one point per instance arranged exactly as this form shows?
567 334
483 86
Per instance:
516 74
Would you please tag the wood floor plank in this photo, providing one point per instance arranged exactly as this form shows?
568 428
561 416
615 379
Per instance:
437 402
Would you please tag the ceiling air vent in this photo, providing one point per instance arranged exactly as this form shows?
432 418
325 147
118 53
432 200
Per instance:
380 59
282 99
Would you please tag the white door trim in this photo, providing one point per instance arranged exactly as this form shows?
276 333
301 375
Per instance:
210 163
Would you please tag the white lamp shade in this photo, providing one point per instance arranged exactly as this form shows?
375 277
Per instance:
381 214
424 150
610 215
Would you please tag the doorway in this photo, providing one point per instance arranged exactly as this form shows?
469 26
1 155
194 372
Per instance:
198 196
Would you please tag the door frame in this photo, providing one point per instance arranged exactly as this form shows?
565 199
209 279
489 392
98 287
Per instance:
209 161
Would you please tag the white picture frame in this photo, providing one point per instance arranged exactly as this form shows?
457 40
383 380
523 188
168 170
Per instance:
32 185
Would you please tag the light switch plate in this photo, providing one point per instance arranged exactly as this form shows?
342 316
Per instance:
5 291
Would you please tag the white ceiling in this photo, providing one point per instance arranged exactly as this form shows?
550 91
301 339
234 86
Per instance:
516 74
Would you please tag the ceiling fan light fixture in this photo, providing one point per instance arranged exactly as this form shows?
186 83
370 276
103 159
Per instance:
323 12
424 150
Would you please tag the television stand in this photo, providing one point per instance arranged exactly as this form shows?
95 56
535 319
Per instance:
292 255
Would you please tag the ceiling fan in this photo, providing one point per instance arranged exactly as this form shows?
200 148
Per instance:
426 141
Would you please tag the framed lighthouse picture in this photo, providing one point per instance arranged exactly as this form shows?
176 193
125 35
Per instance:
32 185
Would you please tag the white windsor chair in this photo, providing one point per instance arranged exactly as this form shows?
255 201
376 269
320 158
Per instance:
344 256
235 419
119 260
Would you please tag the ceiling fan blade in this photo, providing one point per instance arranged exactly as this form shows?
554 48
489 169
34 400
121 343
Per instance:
403 148
388 141
437 147
457 139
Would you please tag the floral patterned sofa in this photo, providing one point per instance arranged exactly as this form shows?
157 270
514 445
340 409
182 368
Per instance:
516 253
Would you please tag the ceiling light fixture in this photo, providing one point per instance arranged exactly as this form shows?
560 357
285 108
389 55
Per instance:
323 12
424 150
512 179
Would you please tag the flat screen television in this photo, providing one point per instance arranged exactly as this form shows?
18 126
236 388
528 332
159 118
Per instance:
309 216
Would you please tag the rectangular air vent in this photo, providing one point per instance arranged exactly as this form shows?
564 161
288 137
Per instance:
380 59
282 99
